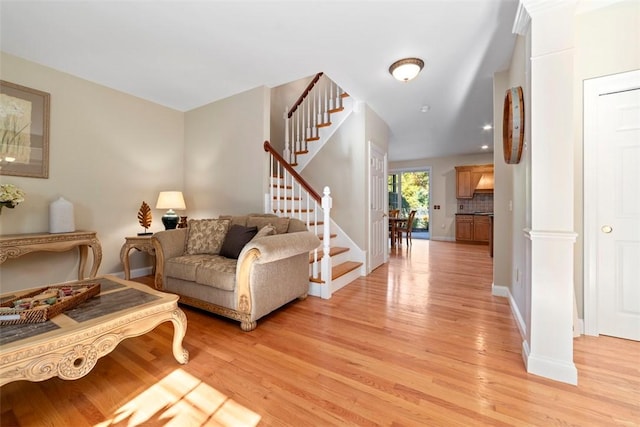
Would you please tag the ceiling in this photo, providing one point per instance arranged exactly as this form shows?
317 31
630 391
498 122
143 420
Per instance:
185 54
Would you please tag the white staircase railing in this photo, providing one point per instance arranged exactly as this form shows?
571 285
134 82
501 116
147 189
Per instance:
312 111
290 195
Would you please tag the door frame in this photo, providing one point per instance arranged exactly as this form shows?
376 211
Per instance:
592 89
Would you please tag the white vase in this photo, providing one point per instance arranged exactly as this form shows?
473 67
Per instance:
61 216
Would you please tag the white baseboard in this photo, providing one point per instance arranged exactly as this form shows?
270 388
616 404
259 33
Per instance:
138 272
549 368
578 328
443 239
504 292
500 291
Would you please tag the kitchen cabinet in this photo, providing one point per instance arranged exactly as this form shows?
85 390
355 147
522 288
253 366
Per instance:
463 184
471 179
464 228
473 228
481 228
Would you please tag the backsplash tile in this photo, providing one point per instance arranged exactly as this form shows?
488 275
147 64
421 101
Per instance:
481 202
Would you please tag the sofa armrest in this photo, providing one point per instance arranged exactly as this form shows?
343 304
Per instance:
274 250
167 244
281 246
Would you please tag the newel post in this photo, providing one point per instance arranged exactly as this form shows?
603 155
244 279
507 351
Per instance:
287 149
326 244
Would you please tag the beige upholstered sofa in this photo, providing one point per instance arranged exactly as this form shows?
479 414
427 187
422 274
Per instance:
272 269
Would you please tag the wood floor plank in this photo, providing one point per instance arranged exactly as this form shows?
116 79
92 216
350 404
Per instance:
420 341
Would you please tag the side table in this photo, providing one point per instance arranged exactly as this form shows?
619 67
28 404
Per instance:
141 243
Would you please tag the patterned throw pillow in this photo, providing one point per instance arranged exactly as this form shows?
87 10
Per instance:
206 236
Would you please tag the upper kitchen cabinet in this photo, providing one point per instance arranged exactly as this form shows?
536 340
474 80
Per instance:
472 179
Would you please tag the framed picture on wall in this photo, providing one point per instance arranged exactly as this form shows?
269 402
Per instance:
24 131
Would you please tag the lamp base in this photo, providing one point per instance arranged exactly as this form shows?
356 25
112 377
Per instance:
170 221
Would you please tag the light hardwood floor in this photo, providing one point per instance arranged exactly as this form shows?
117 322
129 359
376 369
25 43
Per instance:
419 342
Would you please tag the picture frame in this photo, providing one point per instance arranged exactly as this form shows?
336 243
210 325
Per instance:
24 131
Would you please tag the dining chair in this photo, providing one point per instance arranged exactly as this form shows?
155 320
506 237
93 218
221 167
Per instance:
393 213
406 228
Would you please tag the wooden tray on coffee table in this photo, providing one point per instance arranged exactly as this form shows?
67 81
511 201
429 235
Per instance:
77 295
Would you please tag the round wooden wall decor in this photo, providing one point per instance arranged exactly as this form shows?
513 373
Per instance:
513 125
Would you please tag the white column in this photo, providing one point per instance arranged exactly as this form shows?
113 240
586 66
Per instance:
548 347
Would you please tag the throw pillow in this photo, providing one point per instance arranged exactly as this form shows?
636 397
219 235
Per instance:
205 236
281 224
267 230
237 237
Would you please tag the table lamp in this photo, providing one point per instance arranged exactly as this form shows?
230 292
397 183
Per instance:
170 200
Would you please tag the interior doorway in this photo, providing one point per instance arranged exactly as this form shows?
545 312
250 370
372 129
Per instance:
410 190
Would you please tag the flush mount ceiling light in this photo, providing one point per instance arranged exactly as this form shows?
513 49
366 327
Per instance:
406 69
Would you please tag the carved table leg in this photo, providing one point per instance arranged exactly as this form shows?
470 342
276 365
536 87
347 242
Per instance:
179 321
97 257
84 251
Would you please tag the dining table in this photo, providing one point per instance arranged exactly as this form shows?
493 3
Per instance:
394 224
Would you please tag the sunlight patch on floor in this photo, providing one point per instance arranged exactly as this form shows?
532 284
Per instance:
180 399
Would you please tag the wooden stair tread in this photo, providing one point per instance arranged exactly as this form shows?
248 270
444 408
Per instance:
331 236
323 125
338 270
302 152
293 210
313 138
344 95
336 110
286 198
333 251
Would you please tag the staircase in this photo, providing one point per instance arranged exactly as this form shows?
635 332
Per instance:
309 124
332 265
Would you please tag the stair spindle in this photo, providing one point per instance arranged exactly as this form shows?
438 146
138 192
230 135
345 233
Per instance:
331 103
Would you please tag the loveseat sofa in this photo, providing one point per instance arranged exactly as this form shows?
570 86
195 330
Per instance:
241 267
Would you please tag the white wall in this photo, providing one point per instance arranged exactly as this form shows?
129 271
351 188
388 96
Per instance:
225 164
443 188
108 152
340 164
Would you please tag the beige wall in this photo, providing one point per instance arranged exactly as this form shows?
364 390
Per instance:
443 188
108 152
225 164
510 201
282 99
607 42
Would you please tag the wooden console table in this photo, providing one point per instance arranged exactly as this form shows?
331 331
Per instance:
141 243
16 245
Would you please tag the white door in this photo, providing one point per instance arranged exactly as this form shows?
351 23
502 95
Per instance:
616 228
378 201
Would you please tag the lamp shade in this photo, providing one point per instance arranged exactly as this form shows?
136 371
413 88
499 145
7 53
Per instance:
406 69
171 200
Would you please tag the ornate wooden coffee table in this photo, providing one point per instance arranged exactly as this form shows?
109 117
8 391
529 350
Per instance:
69 345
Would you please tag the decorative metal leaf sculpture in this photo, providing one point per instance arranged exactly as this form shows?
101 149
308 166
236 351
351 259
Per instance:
144 216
